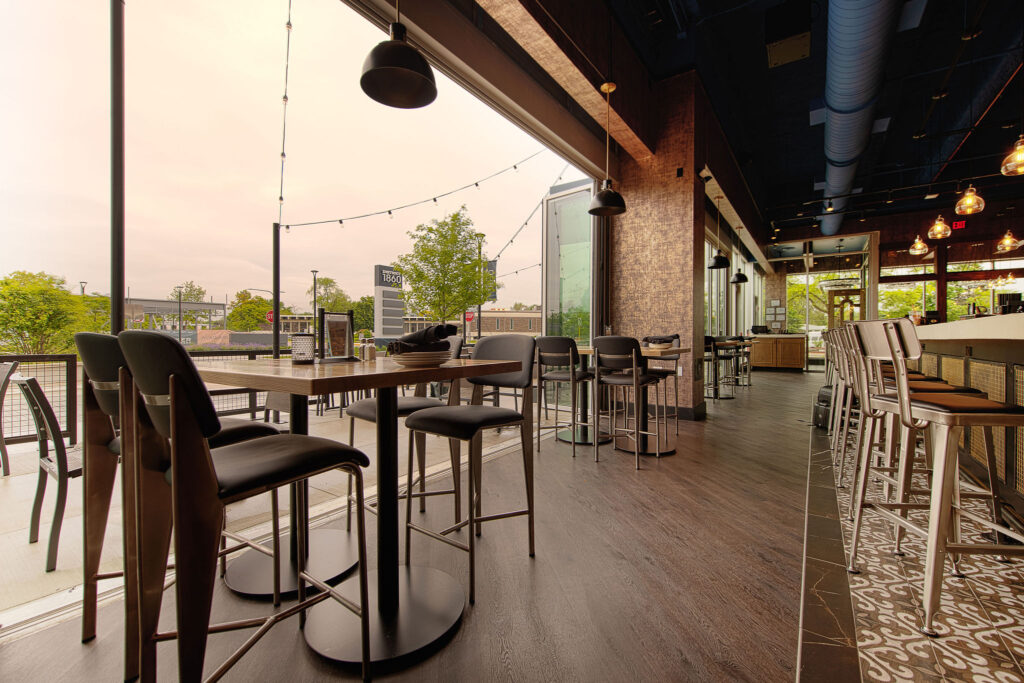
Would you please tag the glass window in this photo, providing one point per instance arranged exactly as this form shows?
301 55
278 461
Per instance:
716 295
497 323
899 299
567 262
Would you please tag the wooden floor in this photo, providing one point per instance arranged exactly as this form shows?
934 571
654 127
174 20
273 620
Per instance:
689 569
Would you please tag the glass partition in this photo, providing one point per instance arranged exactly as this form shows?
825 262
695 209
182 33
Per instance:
568 239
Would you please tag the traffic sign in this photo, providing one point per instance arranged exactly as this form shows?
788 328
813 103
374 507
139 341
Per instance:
469 316
270 316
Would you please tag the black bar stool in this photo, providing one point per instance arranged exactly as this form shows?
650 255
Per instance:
174 425
559 352
619 362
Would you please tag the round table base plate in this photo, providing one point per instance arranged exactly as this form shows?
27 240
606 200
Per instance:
582 436
430 611
668 445
333 554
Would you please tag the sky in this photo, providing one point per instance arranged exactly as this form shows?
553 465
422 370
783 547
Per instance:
204 82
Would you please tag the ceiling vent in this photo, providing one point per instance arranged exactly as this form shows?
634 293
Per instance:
787 32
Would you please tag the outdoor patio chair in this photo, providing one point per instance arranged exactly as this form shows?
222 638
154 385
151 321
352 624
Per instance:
6 370
62 465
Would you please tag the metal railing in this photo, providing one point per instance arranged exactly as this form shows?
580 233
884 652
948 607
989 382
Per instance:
59 376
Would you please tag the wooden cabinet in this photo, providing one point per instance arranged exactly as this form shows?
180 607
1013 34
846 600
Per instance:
779 351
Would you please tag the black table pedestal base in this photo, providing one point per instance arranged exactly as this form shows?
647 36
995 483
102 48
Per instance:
430 605
668 445
582 436
333 554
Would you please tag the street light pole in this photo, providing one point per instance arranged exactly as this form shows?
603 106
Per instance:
480 306
178 291
82 284
314 271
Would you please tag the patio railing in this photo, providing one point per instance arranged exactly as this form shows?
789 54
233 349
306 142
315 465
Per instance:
59 376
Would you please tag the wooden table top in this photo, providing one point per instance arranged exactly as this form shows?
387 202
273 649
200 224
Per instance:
282 375
645 350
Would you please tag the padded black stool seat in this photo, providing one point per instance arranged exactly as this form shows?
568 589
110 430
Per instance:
263 464
646 377
366 409
461 422
563 375
233 430
933 387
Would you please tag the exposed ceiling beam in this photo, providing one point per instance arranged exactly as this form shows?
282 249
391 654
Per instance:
514 18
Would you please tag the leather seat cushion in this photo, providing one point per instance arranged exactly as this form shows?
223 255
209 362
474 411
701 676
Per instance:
644 378
933 387
957 403
261 464
917 376
563 375
234 430
366 409
461 422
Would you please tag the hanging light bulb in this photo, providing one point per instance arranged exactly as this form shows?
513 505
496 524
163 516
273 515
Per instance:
918 248
1007 243
939 230
607 202
970 203
1010 279
1013 164
719 260
396 74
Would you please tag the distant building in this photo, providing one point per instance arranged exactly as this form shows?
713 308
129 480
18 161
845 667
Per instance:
492 322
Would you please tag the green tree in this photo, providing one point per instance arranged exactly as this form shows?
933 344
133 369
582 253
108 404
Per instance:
37 314
575 323
249 312
191 292
520 306
329 296
362 312
446 271
93 313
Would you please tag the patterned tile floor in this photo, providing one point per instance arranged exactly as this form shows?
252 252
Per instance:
981 620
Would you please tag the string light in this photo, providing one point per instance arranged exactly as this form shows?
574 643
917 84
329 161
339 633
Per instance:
433 198
284 115
530 217
516 272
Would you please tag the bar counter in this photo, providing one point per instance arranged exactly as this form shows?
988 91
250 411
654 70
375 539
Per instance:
986 353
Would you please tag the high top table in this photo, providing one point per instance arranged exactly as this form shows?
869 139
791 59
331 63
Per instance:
412 608
646 447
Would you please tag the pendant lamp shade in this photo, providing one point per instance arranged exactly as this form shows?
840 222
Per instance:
607 202
397 75
939 230
739 278
918 248
1013 164
970 203
1007 243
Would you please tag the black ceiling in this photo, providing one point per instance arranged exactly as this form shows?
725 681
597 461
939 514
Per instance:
937 86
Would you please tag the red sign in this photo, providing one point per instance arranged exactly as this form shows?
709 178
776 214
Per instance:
270 316
959 225
469 316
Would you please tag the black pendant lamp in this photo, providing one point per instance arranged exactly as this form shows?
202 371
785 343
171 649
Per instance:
607 202
395 74
739 278
719 260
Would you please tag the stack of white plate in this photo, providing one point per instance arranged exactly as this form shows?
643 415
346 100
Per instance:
660 346
422 359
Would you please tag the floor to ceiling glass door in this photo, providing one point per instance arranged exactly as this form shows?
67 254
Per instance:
567 263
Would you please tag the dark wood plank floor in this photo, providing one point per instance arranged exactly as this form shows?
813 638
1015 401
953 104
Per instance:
686 570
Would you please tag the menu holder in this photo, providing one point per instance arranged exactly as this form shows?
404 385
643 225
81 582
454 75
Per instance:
336 342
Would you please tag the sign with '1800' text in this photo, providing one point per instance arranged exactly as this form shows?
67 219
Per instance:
388 306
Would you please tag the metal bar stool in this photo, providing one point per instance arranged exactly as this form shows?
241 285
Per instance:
944 415
664 373
611 355
559 352
173 419
465 423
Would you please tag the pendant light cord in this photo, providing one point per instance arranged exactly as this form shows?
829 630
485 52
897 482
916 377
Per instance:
607 132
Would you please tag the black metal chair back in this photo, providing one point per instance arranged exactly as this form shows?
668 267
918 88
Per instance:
152 359
518 347
618 353
558 352
102 359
